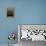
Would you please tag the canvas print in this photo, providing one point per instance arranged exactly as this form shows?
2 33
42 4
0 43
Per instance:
10 12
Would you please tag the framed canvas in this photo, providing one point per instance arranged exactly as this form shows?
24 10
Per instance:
10 12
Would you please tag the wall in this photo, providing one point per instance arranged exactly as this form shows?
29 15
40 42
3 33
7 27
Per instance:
27 12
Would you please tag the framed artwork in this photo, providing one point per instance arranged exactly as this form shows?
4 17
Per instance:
10 12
